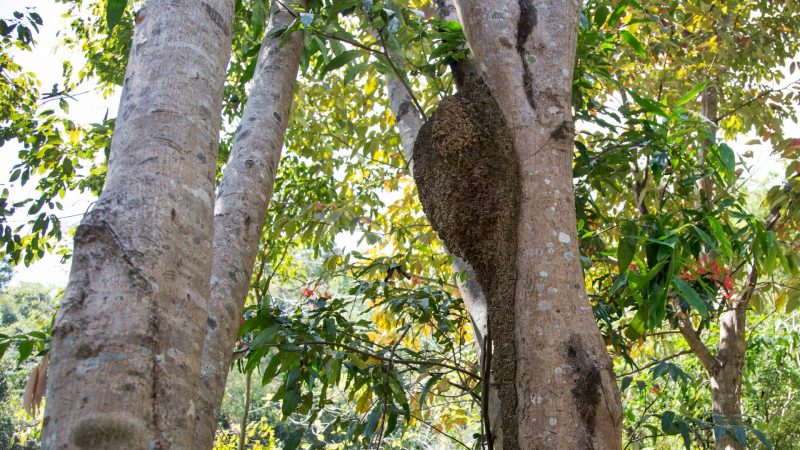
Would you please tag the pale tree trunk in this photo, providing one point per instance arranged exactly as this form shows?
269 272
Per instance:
726 369
125 350
474 299
726 381
564 394
408 123
241 207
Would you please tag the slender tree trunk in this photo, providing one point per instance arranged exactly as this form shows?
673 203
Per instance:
125 351
409 122
726 383
241 208
564 389
726 380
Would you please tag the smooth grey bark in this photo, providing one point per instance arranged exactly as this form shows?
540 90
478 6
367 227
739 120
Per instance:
566 394
241 208
125 351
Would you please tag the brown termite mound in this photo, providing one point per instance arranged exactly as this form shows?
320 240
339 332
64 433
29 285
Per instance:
467 174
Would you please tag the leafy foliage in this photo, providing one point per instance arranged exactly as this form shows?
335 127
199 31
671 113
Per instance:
353 322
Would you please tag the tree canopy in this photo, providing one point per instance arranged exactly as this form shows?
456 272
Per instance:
354 333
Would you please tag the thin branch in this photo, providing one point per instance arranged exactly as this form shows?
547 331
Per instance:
752 100
383 52
381 358
401 77
243 431
386 384
430 426
749 288
656 362
329 36
697 346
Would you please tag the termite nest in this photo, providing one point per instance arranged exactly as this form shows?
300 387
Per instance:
467 175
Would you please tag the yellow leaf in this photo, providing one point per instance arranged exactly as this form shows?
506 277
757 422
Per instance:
74 136
371 85
362 405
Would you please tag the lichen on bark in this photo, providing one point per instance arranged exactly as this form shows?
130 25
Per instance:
467 174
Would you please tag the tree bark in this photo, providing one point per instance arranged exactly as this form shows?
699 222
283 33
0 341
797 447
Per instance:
241 208
726 383
125 350
566 395
409 122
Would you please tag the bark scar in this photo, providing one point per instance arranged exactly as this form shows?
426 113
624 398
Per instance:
527 21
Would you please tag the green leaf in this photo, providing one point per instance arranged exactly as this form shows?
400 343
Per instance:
339 61
741 435
626 382
684 430
791 304
728 160
600 16
293 440
631 40
272 368
290 402
705 238
372 421
763 438
627 246
719 233
771 254
267 336
666 421
424 394
691 94
114 12
637 326
719 432
691 297
25 349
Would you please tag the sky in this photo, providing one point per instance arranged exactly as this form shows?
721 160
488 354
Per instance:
90 107
45 62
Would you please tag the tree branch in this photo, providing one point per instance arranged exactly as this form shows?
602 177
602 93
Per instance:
657 361
382 358
697 346
751 101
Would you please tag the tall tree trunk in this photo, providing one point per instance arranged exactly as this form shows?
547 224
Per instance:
726 383
726 380
564 393
409 122
241 208
125 351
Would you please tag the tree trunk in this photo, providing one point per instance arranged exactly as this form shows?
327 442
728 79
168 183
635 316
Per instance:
726 383
241 208
125 351
564 387
409 122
